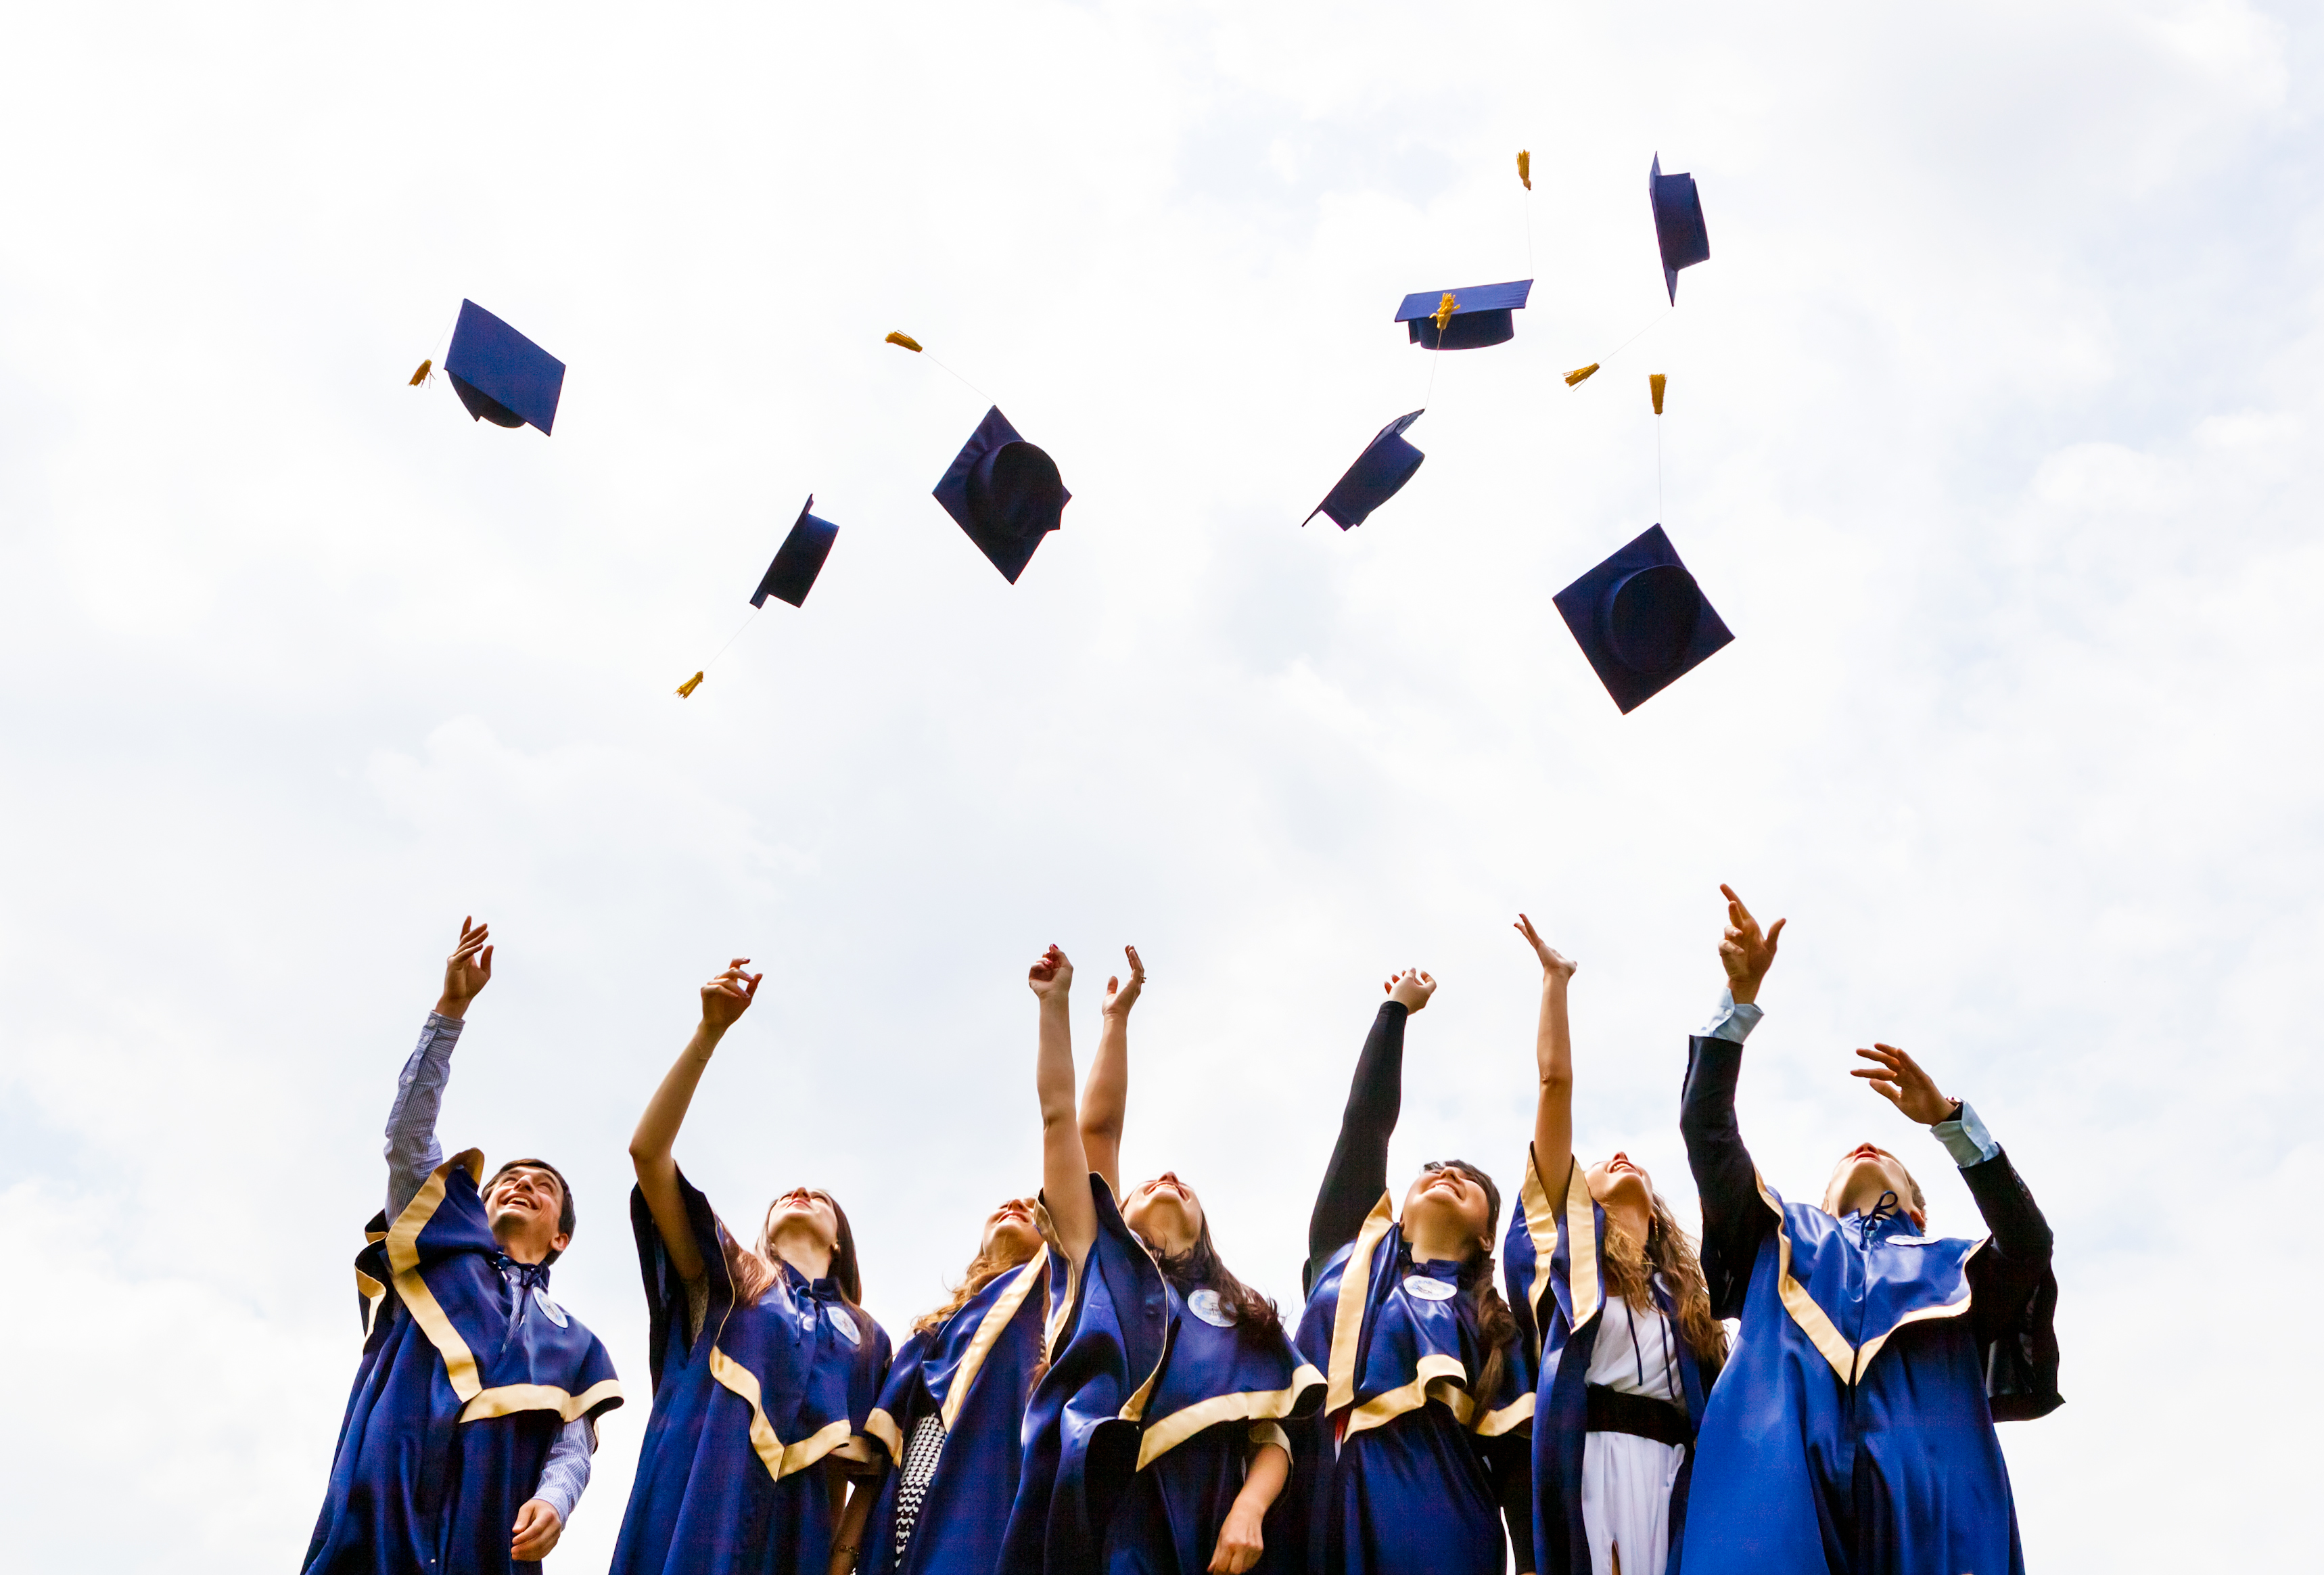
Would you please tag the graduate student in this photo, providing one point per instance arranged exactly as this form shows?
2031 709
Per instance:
1180 1477
1421 1453
765 1365
1608 1292
1853 1428
467 1436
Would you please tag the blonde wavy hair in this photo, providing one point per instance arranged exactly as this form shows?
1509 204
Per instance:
1631 1266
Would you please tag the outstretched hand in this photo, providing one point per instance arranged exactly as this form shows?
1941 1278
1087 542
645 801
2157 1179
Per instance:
725 998
1121 997
1744 951
1051 976
1410 990
1898 1078
468 970
1553 964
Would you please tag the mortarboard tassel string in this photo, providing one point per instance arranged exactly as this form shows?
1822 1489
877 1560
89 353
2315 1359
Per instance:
913 345
1524 173
686 689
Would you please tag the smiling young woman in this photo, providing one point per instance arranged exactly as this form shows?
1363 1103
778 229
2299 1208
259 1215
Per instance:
1420 1455
1611 1298
1181 1477
765 1364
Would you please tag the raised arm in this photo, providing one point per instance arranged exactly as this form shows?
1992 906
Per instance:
412 1151
1552 1054
1064 1164
1734 1220
1105 1095
1358 1173
724 999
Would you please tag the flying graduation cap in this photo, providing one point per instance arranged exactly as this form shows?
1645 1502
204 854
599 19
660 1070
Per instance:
1377 474
1480 315
1641 620
798 560
1678 223
501 375
1005 493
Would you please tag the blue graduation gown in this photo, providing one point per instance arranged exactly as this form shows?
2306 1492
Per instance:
769 1389
1147 1406
976 1370
1409 1470
1555 1262
1854 1401
458 1395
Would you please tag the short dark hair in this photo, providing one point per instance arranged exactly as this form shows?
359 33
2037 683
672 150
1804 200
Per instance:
564 1190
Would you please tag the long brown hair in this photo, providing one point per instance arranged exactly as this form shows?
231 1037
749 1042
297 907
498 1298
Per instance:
1497 1326
755 1273
1631 1266
1200 1268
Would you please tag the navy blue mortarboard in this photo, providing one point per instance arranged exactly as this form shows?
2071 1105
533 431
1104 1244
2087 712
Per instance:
1005 493
1377 474
1480 315
798 560
1641 620
501 375
1678 223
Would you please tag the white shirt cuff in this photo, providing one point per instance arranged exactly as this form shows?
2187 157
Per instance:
1966 1139
1731 1021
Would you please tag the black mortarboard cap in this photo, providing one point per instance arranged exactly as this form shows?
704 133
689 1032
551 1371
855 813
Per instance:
501 375
1005 493
1641 620
1377 474
1678 223
798 560
1480 315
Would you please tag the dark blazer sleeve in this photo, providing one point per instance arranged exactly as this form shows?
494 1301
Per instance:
1510 1459
1735 1219
2014 1295
1358 1173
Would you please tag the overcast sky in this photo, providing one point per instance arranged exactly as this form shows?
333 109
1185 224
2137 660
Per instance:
1992 433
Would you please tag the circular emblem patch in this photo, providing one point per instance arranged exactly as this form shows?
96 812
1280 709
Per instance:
555 1313
1206 1305
1429 1290
845 1325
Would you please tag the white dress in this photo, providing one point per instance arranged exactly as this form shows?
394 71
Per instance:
1627 1480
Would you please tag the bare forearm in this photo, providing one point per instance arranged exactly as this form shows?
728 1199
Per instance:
651 1151
1064 1163
1262 1484
1553 1120
847 1542
1105 1098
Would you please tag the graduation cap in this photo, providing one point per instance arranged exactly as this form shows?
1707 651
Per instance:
1641 620
1678 223
1005 493
798 560
1480 317
501 375
1377 474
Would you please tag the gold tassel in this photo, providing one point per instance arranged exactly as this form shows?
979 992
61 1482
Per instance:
687 688
420 376
906 340
1443 314
1655 383
1579 373
1525 168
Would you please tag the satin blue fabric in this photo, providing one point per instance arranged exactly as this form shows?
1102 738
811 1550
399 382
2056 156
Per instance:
965 1510
414 1491
1561 1420
1801 1472
1415 1493
704 1502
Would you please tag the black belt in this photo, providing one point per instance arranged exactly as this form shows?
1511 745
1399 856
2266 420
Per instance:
1612 1411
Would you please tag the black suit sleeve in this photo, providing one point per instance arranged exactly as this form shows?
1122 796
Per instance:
1358 1173
2013 1294
1510 1459
1735 1218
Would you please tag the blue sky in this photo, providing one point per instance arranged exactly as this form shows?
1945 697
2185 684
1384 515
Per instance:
1991 432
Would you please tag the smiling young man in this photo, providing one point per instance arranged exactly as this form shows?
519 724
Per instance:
1852 1429
467 1436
